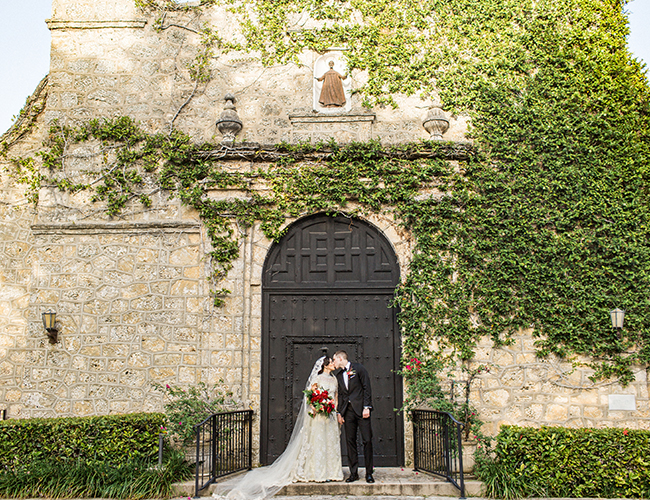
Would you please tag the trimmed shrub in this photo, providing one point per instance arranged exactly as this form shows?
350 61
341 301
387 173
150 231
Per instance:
562 462
110 439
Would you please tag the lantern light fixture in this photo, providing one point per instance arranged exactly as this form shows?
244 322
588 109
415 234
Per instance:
618 316
49 323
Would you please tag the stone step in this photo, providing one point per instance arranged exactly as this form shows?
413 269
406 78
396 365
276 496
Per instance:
389 481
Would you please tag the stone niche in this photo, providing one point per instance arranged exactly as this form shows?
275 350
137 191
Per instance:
332 63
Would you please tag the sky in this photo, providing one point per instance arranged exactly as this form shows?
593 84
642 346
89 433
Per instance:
25 43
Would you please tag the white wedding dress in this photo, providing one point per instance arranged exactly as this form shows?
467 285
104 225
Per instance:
319 459
312 455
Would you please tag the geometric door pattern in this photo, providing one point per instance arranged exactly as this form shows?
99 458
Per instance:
329 282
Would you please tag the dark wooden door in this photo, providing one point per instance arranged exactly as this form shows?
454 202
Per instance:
329 283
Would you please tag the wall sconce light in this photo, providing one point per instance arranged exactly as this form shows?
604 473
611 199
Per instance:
49 323
617 316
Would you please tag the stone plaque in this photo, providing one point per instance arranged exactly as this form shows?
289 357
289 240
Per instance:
622 402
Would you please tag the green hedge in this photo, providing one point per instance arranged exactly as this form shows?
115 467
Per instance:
561 462
108 439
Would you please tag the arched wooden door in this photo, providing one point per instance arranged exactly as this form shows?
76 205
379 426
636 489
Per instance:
330 282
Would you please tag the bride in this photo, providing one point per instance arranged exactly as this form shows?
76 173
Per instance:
312 455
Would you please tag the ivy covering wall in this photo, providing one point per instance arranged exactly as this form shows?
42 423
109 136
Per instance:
544 221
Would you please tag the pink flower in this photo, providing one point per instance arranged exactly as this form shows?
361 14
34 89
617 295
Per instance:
408 367
167 385
625 432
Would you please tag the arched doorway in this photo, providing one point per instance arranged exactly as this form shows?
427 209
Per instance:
330 282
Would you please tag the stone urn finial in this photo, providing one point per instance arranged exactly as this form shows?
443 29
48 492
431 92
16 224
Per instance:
229 124
436 123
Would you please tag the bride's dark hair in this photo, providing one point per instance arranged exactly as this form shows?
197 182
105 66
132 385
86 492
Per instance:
326 362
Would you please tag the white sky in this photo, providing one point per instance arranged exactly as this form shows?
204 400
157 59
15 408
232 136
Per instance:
25 48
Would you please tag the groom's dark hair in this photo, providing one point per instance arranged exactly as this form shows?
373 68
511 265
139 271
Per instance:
343 354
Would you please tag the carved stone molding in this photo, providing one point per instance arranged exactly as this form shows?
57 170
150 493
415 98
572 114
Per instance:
53 24
342 118
112 227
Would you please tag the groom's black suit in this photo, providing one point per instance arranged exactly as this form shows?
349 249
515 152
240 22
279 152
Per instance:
352 400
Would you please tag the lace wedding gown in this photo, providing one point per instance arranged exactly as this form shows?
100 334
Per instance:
320 456
312 455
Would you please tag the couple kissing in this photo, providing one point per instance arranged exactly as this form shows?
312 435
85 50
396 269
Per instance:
337 394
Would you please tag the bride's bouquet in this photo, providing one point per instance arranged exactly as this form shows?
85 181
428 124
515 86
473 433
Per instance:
319 400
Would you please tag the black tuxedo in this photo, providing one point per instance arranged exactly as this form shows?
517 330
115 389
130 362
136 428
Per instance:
351 403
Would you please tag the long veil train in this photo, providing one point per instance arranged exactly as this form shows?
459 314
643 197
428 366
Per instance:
266 481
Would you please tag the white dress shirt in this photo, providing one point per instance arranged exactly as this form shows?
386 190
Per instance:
345 375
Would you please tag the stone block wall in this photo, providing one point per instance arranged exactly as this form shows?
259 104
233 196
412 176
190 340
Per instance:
522 389
130 303
110 59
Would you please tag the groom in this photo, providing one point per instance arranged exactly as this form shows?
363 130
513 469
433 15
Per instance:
354 405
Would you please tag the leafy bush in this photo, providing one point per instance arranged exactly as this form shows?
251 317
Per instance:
186 408
424 389
132 479
110 439
561 462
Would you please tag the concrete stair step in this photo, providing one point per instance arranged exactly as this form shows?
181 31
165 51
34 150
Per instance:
389 481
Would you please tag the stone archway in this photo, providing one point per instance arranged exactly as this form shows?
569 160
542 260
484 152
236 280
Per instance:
330 282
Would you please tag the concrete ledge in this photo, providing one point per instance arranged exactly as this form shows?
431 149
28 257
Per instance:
390 481
185 489
333 118
55 24
113 227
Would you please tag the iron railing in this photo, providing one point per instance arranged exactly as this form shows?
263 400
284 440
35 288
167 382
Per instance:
224 445
438 447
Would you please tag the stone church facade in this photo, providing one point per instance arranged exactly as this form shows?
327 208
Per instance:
131 292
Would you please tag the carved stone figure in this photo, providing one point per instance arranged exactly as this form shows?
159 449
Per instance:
332 94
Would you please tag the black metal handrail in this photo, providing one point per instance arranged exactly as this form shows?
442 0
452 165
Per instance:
224 445
438 447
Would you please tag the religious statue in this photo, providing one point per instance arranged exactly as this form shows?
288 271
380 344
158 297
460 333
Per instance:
332 94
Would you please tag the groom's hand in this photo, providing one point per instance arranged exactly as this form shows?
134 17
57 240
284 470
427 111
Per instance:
366 413
340 419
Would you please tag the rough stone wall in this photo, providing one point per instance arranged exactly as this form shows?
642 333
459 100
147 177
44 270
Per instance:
17 255
525 390
111 61
130 303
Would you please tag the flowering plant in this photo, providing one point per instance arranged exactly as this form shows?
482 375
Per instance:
187 406
319 400
351 373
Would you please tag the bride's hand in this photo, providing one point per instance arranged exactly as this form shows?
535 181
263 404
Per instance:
340 418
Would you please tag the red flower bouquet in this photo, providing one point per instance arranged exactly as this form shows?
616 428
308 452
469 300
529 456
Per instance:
319 400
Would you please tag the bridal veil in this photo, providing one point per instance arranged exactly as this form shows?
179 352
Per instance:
266 481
